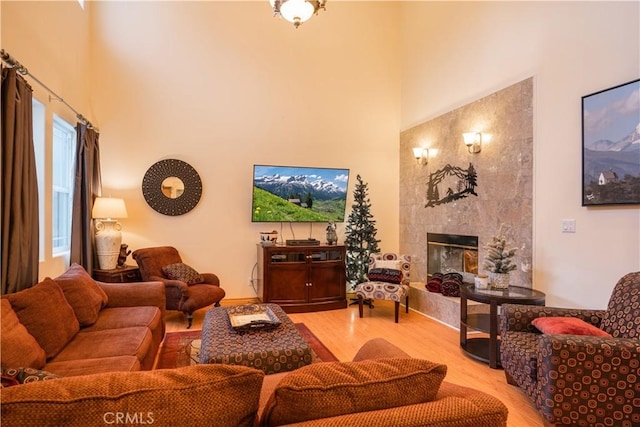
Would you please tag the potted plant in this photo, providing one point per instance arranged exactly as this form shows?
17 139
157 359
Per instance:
499 260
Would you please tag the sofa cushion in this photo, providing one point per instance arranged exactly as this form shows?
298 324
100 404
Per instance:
71 368
27 375
83 294
19 347
46 314
133 341
182 272
166 397
124 317
330 389
567 325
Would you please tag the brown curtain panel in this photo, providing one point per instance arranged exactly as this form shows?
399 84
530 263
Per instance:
19 198
88 186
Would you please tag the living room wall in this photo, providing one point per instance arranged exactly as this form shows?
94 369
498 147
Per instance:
224 86
503 173
469 50
51 39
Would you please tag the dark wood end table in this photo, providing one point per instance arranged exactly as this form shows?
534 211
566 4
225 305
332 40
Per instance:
126 274
488 349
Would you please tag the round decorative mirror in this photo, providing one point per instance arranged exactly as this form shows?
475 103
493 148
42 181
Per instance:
172 187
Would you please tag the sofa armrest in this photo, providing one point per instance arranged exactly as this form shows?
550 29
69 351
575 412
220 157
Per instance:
135 294
211 279
518 317
453 406
378 348
569 365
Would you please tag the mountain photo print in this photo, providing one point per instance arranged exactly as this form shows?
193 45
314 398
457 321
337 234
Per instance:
611 146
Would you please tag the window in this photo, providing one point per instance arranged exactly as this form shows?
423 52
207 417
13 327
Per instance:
63 171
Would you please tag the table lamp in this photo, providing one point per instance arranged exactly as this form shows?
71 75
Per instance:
108 235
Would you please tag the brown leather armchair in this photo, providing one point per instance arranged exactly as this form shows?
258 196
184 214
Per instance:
581 380
179 295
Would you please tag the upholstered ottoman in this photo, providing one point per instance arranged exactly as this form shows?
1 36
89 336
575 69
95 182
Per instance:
275 350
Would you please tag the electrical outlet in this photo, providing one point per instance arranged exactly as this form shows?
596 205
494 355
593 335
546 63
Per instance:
568 225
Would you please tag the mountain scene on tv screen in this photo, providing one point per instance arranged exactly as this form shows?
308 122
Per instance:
612 170
302 197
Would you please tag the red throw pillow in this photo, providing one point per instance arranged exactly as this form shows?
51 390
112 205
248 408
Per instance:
387 275
567 325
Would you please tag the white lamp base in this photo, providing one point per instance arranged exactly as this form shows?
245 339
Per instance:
108 240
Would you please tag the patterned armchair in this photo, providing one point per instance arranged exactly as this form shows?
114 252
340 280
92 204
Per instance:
578 379
386 285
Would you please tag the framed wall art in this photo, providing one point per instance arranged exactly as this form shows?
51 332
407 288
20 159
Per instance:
611 146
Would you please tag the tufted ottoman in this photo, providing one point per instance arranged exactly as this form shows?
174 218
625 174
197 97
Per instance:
275 350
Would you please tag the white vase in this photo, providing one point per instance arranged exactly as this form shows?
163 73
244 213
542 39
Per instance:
108 240
499 280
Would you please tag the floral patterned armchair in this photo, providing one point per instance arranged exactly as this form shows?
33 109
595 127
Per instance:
579 380
383 283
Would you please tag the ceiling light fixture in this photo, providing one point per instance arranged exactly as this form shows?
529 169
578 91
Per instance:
297 11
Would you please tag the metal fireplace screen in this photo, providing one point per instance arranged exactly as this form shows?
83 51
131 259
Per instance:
451 252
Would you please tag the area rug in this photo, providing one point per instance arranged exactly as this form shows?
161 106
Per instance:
182 348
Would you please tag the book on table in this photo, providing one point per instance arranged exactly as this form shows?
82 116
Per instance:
252 316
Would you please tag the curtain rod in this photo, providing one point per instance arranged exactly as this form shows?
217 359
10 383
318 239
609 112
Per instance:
12 62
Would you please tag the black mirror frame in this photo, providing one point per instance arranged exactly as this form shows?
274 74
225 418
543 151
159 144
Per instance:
152 187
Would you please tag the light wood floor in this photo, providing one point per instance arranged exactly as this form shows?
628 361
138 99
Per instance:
343 332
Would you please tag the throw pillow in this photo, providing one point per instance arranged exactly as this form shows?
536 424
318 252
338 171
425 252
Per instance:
16 376
46 314
84 295
331 389
182 272
567 325
19 347
393 264
388 275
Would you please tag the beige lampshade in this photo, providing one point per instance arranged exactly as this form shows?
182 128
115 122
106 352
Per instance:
109 207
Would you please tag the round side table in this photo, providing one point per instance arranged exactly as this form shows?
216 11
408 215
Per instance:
488 349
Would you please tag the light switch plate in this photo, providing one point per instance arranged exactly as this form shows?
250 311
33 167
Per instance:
568 225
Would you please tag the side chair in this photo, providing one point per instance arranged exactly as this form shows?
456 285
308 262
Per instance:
186 289
578 366
388 279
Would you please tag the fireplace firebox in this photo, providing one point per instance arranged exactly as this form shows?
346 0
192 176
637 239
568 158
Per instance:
451 252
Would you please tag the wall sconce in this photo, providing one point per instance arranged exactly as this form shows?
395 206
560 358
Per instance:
422 155
108 235
473 141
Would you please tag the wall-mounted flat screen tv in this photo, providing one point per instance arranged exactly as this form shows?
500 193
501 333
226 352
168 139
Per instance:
299 194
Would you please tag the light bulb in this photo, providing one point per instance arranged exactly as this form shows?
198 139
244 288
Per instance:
296 11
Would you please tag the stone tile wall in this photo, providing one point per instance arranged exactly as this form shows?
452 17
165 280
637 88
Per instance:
504 178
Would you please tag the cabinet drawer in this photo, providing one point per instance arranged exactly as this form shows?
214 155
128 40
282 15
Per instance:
118 275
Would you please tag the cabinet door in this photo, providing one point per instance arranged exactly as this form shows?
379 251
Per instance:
287 277
326 275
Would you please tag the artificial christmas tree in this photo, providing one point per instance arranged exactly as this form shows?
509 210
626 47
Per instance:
499 260
360 235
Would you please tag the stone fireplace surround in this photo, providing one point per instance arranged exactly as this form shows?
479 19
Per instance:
504 187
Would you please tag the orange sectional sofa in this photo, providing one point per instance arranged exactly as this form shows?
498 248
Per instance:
73 325
382 386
